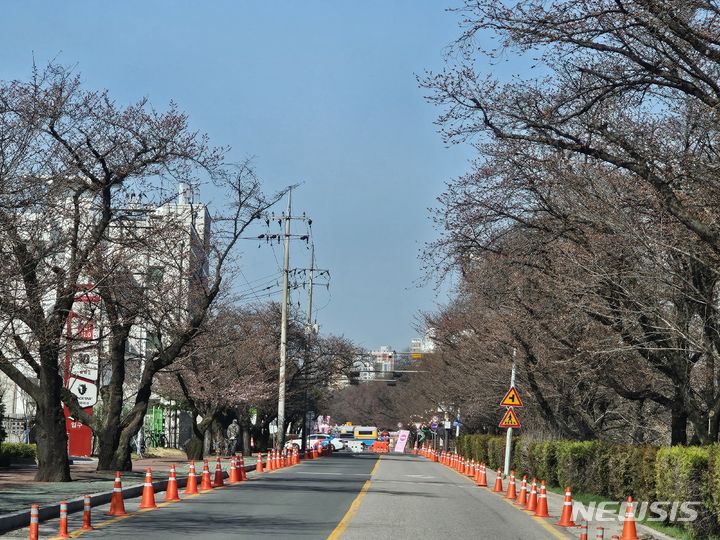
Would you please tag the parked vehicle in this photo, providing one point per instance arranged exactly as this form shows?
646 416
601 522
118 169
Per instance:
315 438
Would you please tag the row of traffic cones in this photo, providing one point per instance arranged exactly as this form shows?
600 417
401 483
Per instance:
277 459
117 503
533 499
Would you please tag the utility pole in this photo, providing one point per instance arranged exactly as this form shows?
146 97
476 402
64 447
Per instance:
508 438
280 439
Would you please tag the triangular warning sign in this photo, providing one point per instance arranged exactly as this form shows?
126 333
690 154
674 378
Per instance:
510 419
512 399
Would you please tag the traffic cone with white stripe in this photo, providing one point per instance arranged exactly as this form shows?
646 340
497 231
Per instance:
34 521
191 487
542 507
205 483
498 482
628 531
117 504
259 464
522 496
566 515
218 481
482 476
600 533
148 494
233 477
584 531
87 518
512 487
171 491
532 498
243 474
63 529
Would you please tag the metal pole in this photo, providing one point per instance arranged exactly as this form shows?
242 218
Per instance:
309 333
508 439
280 437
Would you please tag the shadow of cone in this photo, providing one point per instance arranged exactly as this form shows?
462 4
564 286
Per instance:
191 488
522 496
512 487
566 515
583 531
148 494
498 482
117 504
259 464
542 507
171 492
218 480
205 484
233 478
63 529
628 531
87 518
243 474
532 498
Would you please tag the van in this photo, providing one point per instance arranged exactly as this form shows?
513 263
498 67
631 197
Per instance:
366 432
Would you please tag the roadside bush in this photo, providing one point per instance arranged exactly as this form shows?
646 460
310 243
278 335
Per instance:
12 452
682 474
575 462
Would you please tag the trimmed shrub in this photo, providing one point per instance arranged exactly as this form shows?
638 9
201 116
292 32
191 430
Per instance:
12 452
682 474
574 463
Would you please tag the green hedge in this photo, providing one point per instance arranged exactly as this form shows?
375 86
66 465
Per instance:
11 452
615 471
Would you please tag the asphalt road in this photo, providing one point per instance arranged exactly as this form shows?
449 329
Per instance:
411 498
348 496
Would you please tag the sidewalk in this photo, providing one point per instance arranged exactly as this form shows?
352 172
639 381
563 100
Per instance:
19 491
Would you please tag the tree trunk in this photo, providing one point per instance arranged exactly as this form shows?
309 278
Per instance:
246 450
52 442
195 448
678 423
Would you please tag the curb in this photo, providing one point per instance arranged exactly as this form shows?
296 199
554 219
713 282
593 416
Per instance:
21 519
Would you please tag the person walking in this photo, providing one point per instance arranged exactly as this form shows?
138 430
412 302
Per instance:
232 433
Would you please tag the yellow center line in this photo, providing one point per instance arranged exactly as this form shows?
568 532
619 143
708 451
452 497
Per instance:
354 507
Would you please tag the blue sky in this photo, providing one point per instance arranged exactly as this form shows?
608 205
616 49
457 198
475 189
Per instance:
322 93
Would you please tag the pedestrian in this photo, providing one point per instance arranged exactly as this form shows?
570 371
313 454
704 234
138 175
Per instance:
232 433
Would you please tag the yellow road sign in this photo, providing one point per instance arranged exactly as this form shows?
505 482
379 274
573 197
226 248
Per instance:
512 399
510 420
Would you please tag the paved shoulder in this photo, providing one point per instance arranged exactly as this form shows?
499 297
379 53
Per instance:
412 498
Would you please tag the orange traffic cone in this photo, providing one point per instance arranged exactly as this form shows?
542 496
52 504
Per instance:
482 478
63 530
117 504
600 533
566 515
171 491
233 478
522 496
148 494
542 507
243 474
205 484
34 521
191 488
532 498
315 452
87 509
628 531
218 480
584 531
512 487
498 482
308 455
296 455
259 465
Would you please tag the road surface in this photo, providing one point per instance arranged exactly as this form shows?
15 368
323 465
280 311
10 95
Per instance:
349 496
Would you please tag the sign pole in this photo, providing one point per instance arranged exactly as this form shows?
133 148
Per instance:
508 439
